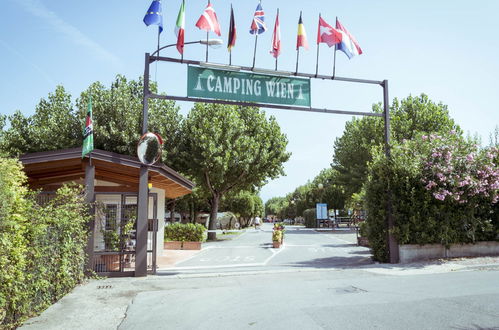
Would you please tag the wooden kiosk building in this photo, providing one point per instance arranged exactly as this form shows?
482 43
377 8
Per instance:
111 181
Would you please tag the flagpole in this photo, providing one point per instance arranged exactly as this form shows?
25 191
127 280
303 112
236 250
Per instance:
317 61
207 38
277 17
297 50
254 52
335 48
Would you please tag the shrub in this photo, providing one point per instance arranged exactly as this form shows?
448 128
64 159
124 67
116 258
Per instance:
42 247
188 232
444 190
309 216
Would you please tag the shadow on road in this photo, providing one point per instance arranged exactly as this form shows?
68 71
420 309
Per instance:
334 262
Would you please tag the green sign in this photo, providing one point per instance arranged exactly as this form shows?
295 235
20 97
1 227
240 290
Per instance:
247 87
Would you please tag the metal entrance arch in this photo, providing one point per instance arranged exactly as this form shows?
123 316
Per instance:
141 265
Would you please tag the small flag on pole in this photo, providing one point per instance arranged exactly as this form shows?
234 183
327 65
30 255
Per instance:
276 38
154 15
301 39
232 31
258 24
88 132
327 34
348 44
180 28
209 21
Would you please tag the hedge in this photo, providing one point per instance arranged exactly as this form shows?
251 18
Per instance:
310 218
188 232
42 247
444 190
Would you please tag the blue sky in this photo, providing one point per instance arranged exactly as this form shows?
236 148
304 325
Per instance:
446 49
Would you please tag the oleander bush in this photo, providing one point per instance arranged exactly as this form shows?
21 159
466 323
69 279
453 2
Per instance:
185 232
42 256
444 190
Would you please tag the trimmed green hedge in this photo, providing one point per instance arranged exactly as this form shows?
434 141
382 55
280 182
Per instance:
444 190
310 218
188 232
42 247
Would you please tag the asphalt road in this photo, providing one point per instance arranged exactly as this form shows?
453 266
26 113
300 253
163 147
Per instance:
317 281
302 249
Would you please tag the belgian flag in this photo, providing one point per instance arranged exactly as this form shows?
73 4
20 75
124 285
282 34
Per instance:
301 39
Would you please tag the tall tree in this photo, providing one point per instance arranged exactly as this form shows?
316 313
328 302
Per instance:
117 118
352 151
231 148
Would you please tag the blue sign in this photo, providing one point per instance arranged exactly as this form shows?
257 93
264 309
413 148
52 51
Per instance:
321 209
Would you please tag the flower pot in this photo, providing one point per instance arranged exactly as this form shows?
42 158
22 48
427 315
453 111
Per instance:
362 241
276 244
191 246
174 245
110 263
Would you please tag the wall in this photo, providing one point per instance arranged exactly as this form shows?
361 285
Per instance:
414 252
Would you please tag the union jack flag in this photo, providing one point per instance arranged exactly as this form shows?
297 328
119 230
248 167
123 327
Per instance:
258 24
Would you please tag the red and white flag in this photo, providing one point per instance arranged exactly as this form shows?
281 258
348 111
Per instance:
327 34
276 38
209 21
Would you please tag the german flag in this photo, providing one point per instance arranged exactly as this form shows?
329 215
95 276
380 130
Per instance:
301 39
232 31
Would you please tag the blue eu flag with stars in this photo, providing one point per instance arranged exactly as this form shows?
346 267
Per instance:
154 15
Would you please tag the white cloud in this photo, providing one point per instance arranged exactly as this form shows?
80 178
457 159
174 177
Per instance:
38 9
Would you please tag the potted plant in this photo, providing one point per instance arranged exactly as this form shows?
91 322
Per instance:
362 234
179 236
278 235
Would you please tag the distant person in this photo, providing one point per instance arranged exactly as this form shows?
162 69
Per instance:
257 221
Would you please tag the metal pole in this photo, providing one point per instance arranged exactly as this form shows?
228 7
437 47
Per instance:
254 51
317 60
391 241
143 194
207 38
334 57
297 58
90 199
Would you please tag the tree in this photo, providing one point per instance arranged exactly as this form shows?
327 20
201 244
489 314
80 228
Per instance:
117 118
245 204
55 125
352 151
228 148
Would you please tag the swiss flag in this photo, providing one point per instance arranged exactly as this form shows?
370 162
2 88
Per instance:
327 34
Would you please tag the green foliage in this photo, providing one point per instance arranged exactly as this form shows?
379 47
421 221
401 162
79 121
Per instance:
352 151
231 148
444 190
310 218
42 247
188 232
117 119
245 204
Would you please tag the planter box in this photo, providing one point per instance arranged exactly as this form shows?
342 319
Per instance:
175 245
191 246
414 252
276 244
362 241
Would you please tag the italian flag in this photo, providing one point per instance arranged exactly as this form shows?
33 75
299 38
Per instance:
180 28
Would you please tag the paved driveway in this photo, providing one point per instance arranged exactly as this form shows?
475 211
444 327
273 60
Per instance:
303 248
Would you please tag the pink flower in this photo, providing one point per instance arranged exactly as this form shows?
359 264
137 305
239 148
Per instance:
424 137
470 157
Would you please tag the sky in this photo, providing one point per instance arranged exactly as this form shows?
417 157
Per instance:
446 49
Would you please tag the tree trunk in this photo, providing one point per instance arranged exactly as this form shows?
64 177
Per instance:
215 200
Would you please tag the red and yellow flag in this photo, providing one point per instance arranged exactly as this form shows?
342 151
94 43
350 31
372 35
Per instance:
301 39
